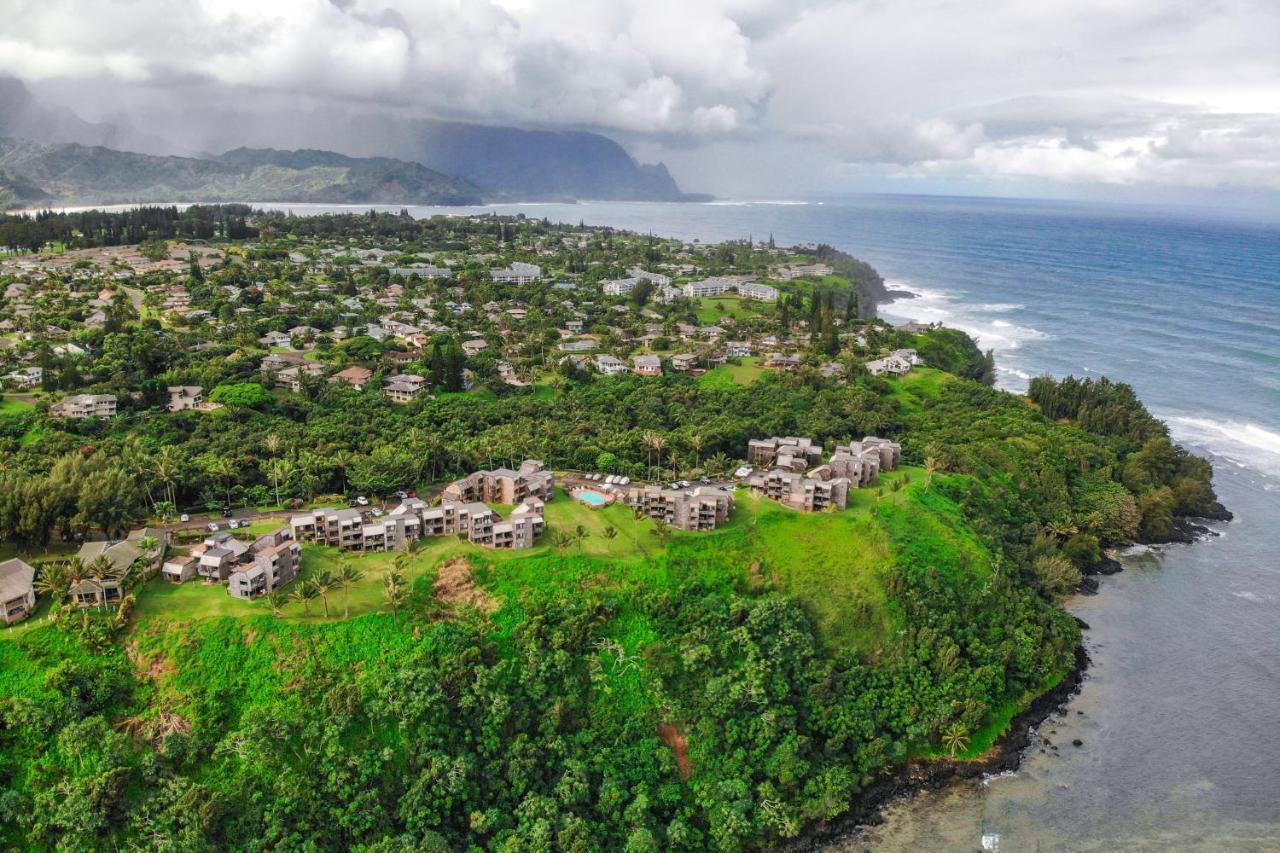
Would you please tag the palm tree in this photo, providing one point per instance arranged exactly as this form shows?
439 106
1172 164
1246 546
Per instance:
955 739
167 469
348 576
393 589
661 529
931 467
324 584
220 469
580 535
610 532
659 442
561 540
717 464
276 601
53 581
696 443
305 593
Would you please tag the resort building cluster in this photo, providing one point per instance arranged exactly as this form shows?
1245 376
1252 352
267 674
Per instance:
463 511
790 472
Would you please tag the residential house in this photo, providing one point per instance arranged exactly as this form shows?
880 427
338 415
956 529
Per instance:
684 361
25 377
189 397
354 376
474 347
293 377
404 387
781 361
610 365
277 361
120 557
647 365
273 340
737 349
180 569
17 591
898 362
85 406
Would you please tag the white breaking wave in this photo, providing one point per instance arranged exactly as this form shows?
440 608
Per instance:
931 305
940 306
1240 442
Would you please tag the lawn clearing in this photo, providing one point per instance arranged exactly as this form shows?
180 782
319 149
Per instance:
730 375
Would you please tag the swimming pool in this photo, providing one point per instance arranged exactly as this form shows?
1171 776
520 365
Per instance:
590 498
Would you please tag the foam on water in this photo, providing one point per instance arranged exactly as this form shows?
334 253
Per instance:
1245 444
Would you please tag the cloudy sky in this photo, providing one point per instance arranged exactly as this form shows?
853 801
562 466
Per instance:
739 97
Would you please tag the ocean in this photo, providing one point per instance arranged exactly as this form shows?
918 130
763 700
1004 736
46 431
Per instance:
1179 717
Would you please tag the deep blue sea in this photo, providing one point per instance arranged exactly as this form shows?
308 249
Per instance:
1180 715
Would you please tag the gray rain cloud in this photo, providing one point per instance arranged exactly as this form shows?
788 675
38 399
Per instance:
1140 93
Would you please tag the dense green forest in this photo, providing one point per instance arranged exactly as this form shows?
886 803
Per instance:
541 725
620 685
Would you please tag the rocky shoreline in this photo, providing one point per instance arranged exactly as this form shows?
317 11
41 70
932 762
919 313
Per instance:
1006 755
919 776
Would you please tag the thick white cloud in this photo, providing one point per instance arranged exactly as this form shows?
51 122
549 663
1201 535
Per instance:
644 66
1119 92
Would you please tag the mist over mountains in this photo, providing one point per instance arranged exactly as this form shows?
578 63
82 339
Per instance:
52 156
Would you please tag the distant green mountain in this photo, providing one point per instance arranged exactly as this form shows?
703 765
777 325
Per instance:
33 173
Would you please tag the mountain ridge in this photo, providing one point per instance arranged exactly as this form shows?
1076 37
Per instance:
70 173
500 163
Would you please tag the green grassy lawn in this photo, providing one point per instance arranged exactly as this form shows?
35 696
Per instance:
10 407
713 309
922 383
729 375
834 563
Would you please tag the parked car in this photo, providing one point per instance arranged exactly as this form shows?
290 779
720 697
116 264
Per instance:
402 494
236 524
377 513
226 512
362 501
213 527
184 517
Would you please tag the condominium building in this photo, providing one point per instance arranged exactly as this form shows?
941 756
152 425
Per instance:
788 452
794 489
700 509
518 273
503 485
862 461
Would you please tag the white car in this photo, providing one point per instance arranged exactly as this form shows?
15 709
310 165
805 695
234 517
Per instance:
184 517
362 500
212 527
377 513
